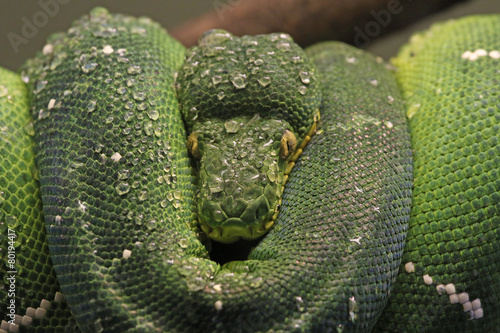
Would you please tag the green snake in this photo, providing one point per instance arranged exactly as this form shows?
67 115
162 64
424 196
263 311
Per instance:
366 193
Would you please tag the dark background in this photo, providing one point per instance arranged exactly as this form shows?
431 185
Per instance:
14 13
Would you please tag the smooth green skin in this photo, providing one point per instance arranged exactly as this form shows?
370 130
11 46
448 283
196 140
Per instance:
330 261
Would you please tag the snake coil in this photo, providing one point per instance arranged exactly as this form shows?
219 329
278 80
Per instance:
372 234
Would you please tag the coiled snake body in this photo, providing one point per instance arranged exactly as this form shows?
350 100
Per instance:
369 233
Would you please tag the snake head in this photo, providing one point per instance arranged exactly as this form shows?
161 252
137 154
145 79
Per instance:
244 99
242 165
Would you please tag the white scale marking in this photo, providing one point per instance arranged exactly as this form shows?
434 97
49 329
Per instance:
127 254
356 240
472 56
473 307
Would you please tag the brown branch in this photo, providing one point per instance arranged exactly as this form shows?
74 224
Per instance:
310 21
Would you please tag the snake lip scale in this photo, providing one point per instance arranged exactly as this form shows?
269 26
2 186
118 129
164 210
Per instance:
363 195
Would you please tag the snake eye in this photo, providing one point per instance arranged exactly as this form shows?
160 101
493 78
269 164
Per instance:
192 145
288 144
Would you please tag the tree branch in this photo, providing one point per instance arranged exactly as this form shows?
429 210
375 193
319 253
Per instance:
310 21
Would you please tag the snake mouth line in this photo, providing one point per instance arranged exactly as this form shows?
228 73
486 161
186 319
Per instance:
291 162
223 235
295 156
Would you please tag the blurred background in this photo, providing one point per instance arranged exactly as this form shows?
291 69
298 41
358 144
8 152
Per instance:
26 24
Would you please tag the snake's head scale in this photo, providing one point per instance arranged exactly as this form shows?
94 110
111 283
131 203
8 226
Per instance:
250 103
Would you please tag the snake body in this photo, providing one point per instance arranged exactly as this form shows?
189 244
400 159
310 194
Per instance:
351 249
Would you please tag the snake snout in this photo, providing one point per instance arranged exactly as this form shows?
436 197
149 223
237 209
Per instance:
247 214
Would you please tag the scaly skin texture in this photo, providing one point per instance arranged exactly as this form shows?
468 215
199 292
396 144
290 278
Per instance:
449 278
27 273
118 194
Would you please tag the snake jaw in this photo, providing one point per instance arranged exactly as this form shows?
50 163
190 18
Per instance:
229 235
254 222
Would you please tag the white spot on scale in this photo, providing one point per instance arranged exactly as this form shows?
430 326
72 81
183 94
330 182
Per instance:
40 312
217 288
389 124
427 279
58 219
450 288
59 297
467 306
107 50
30 311
453 298
26 320
43 114
358 189
473 57
116 157
44 304
476 304
463 298
13 327
481 52
478 313
356 240
409 267
4 325
126 254
218 305
494 54
51 104
468 55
